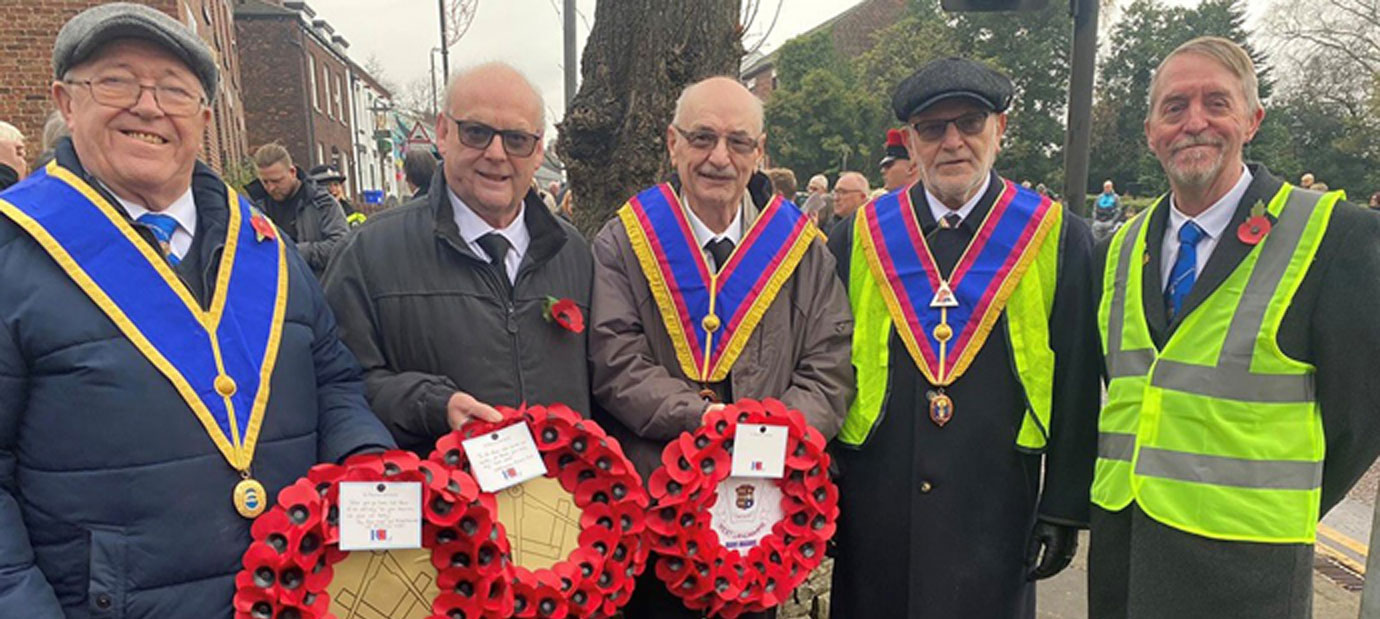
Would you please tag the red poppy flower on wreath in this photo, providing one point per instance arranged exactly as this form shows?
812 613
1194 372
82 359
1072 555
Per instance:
597 578
694 564
287 567
566 313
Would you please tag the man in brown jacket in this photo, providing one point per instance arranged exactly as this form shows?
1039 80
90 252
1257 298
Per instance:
714 230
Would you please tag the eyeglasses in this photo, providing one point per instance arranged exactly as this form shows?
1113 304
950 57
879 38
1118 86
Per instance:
478 135
971 123
124 92
704 139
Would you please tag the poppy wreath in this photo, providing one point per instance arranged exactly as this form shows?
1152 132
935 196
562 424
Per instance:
597 578
287 567
694 564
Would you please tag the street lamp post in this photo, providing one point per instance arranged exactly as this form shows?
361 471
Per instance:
445 57
433 78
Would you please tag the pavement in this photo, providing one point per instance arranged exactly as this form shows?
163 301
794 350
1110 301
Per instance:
1339 572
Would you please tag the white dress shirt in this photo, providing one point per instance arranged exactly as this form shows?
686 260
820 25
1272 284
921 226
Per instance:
472 227
939 210
703 235
1213 221
182 209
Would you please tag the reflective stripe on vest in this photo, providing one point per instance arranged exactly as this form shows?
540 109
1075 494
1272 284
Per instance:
1027 314
1225 437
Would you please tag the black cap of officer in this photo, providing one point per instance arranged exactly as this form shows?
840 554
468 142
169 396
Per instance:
949 78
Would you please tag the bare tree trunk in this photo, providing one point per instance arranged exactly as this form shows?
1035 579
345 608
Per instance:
639 56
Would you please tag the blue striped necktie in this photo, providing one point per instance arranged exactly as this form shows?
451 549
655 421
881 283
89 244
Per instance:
1182 276
163 227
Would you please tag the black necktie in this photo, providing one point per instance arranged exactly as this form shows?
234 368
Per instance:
720 249
947 242
496 246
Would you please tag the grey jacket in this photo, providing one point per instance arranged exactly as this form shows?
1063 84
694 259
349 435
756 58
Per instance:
320 223
799 353
426 316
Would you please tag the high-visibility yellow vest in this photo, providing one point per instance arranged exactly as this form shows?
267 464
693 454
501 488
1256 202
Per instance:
1218 434
1027 313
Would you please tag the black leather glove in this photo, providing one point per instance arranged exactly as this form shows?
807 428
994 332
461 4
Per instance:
1059 543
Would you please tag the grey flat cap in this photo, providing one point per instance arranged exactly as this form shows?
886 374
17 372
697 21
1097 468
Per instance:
85 33
948 78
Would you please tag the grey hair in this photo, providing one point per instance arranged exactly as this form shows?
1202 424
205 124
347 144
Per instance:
1227 53
858 175
10 133
460 74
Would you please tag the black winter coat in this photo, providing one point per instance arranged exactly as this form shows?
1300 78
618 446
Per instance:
114 502
935 522
311 216
427 316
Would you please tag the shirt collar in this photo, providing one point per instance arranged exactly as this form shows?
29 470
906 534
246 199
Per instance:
472 226
183 209
938 210
703 235
1215 219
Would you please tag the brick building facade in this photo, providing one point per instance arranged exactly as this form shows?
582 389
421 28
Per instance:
851 32
293 63
26 67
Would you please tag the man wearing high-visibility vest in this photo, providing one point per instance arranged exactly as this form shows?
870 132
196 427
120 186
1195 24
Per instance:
1239 403
975 349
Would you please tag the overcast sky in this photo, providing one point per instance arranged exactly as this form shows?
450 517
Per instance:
524 33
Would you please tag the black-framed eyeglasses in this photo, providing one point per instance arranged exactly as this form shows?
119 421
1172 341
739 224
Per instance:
971 123
124 92
479 135
704 139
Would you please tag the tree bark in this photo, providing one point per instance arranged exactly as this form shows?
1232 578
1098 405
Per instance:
639 56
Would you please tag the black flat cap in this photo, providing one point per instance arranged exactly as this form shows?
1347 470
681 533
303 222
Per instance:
85 33
948 78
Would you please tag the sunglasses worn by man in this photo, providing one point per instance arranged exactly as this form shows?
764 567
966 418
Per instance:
971 123
479 135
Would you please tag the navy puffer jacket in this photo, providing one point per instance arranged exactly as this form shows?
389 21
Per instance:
114 502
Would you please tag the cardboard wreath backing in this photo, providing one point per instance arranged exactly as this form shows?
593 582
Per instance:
693 563
599 575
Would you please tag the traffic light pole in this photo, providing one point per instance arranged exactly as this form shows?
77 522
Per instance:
1078 138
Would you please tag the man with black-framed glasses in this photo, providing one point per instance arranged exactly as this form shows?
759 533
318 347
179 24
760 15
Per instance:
444 299
977 361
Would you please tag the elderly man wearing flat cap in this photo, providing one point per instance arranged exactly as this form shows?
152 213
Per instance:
977 363
167 363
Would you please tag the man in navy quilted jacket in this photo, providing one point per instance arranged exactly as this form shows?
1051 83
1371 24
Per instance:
167 361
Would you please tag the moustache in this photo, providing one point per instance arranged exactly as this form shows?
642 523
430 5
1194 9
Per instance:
1196 140
724 173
